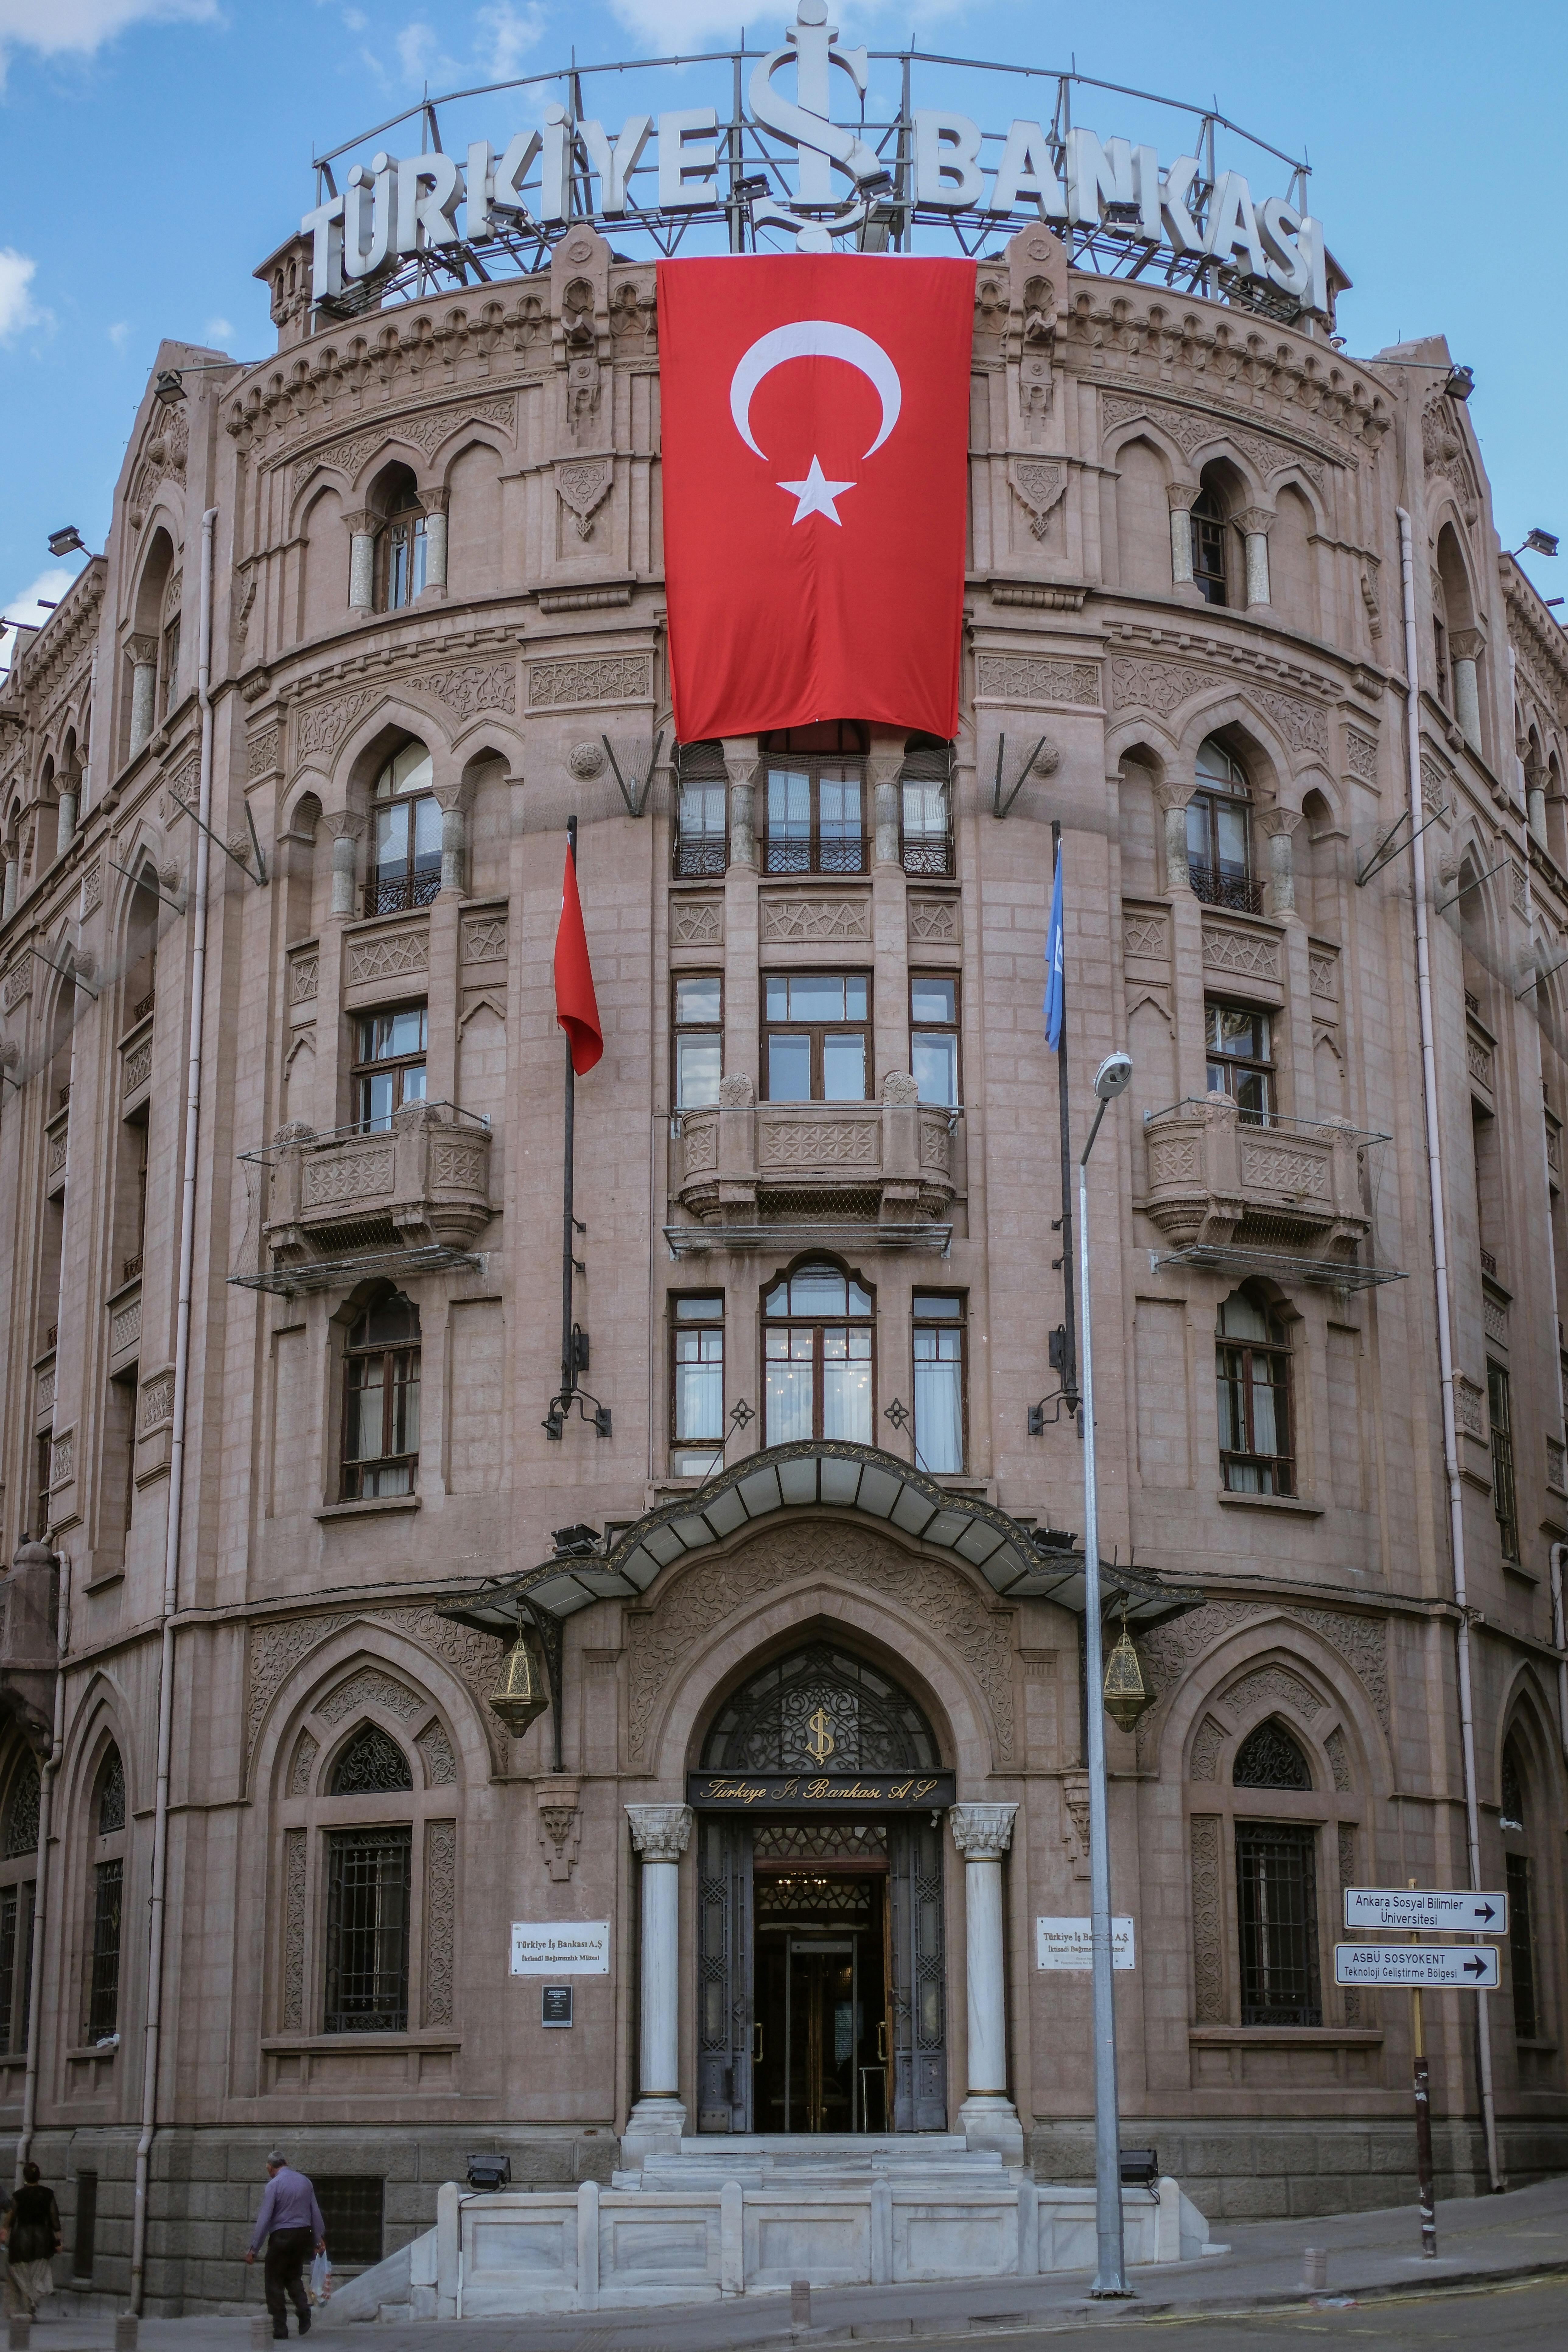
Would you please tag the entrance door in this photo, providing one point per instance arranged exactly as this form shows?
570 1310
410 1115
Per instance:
822 2056
724 2036
918 1975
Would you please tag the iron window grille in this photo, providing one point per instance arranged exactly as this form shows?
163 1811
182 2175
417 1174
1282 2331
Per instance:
371 1764
702 814
406 847
367 1930
352 2207
389 1070
1505 1497
1252 1375
1277 1913
817 1037
1240 1041
103 1984
381 1401
927 796
1269 1758
110 1794
1208 529
1522 1948
1219 832
766 1724
815 801
941 1389
818 1363
933 1037
22 1812
697 1386
699 1039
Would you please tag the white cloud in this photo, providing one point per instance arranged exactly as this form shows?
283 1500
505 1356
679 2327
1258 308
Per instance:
219 332
25 604
420 55
676 25
17 308
81 27
509 33
119 334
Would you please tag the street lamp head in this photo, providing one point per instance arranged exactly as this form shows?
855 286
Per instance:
69 541
1112 1077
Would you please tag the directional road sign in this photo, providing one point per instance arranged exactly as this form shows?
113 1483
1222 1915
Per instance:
1471 1966
1426 1911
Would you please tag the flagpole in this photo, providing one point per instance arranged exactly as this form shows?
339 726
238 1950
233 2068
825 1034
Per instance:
568 1253
1069 1331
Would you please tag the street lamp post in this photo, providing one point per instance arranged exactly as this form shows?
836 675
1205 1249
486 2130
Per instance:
1111 2271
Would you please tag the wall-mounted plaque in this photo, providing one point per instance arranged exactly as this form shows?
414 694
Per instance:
561 1947
555 2004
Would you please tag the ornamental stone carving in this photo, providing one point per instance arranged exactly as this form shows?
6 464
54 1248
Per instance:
302 976
371 1687
1269 1687
294 1882
485 939
982 1833
1323 970
1255 954
440 1919
1209 1740
1284 1172
157 1402
279 1646
830 1144
125 1328
436 1754
91 888
1192 430
261 752
1146 937
1210 2006
585 761
611 678
388 957
367 1176
821 920
583 485
660 1833
1022 678
323 726
1171 1651
424 434
1361 756
934 922
303 1770
477 687
1037 484
695 922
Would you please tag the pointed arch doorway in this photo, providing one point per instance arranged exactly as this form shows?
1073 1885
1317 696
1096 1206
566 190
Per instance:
821 1998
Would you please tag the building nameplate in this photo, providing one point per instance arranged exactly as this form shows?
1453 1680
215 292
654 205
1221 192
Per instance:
808 1792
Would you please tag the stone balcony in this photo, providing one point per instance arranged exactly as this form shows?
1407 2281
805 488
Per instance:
417 1188
1216 1183
887 1169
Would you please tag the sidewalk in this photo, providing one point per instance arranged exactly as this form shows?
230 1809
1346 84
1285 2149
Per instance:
1490 2238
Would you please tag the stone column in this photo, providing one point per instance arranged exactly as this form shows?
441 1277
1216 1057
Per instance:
143 651
1278 826
66 833
889 911
1256 523
1184 496
345 828
435 505
740 763
883 770
660 1834
13 872
1172 796
1535 802
983 1834
1466 651
361 561
453 800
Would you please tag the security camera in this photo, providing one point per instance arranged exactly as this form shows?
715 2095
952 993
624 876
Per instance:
1112 1077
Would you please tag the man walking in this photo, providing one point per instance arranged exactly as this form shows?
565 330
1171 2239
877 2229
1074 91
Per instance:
290 2221
30 2233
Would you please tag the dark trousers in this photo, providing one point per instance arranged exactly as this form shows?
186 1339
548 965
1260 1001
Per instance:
288 2252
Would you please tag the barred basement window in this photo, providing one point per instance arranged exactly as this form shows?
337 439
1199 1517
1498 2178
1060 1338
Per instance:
352 2207
367 1930
1277 1912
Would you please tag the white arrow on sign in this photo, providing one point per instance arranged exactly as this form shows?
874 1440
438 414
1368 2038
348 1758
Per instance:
1471 1967
1426 1911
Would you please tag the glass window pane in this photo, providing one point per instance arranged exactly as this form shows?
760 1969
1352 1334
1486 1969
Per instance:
938 1411
701 1310
933 1000
855 997
413 1079
363 1439
775 999
817 1290
788 1413
700 1385
847 1398
1199 830
405 1432
390 838
777 1304
1242 1318
925 812
840 806
1265 1433
698 1062
928 1304
789 1067
789 804
426 832
843 1068
1230 828
817 996
702 811
934 1061
697 998
860 1300
375 1100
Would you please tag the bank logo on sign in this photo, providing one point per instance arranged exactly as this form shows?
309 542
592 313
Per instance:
821 1744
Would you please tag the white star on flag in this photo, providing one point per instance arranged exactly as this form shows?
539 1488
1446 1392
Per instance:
815 494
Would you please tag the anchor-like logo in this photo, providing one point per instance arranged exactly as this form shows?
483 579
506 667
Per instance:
813 44
820 1743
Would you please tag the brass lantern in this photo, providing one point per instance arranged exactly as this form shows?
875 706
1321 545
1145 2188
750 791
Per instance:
523 1691
1125 1693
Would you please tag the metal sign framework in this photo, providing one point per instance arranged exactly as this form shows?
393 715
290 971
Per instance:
760 173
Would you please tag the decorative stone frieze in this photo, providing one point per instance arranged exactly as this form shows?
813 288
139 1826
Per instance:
818 922
1028 678
604 677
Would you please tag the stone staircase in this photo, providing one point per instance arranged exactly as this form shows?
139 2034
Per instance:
937 2162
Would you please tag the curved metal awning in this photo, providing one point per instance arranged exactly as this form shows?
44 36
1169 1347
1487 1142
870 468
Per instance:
822 1475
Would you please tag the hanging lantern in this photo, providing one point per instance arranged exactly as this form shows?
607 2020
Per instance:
1125 1695
522 1694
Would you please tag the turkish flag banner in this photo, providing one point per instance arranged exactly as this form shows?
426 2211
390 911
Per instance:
814 421
576 1006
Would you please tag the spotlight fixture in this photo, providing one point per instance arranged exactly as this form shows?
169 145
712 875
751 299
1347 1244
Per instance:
69 541
1459 382
488 2173
749 191
1540 542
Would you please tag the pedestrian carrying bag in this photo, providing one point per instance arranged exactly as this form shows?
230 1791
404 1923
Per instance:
321 2278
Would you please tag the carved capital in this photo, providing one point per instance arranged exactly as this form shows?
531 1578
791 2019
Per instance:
982 1833
458 794
1183 496
1275 820
436 501
741 759
1467 645
660 1833
361 523
736 1093
1173 792
344 825
1256 522
899 1087
143 651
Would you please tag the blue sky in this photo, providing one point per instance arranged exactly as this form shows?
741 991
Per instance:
152 151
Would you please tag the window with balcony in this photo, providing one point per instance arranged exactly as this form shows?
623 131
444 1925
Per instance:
933 1036
817 1357
406 845
815 801
1505 1493
389 1066
1252 1374
1241 1059
699 1037
816 1038
399 543
940 1401
697 1386
1210 549
380 1400
927 811
702 824
1219 832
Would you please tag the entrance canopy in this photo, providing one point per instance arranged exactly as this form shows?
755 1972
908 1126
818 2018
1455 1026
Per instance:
823 1474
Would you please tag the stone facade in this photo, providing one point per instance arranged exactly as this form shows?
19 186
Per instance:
306 1611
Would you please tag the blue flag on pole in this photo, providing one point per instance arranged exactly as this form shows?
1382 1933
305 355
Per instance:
1054 963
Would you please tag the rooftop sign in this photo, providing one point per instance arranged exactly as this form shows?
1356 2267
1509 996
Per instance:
812 151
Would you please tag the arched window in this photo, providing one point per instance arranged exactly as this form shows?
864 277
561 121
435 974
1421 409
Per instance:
18 1883
702 825
369 1874
1209 549
928 807
371 1763
406 845
1219 831
380 1400
400 548
818 1703
817 1342
1519 1865
108 1890
1252 1375
1271 1758
815 799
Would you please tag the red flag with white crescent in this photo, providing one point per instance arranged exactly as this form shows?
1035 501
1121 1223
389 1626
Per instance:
815 432
576 1006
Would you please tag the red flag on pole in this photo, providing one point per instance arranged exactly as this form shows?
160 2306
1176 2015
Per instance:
815 432
576 1006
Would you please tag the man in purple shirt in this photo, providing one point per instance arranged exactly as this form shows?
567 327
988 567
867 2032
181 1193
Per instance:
290 2221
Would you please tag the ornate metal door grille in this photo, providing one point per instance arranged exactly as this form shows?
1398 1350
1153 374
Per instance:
723 1974
919 1977
818 1706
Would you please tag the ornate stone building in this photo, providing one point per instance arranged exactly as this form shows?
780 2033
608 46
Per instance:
818 1527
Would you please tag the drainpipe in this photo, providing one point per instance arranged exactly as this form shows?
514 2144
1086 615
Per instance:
1444 1331
177 1441
41 1884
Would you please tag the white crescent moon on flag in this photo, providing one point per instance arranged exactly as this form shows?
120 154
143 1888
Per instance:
812 339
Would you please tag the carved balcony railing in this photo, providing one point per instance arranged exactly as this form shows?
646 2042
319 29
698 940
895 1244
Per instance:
754 1175
1295 1193
411 1197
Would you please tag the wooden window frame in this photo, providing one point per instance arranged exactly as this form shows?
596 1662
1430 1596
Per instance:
351 1471
366 1066
953 1028
1277 1351
679 1029
837 855
678 1327
1263 1067
818 1325
926 1321
818 1033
